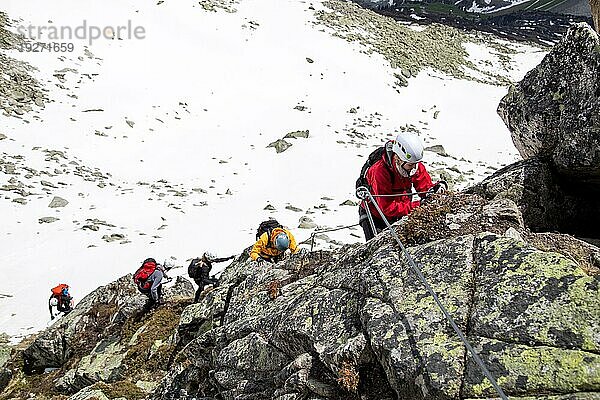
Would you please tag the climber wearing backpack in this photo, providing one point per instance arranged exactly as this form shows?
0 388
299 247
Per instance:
272 240
61 299
199 271
394 169
148 279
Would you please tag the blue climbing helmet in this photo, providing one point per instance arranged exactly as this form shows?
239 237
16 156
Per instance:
282 242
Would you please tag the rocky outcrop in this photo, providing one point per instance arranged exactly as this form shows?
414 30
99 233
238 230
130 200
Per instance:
554 118
353 324
19 91
554 112
546 201
358 324
110 342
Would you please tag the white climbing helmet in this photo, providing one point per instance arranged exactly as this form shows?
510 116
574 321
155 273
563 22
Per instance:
408 147
209 256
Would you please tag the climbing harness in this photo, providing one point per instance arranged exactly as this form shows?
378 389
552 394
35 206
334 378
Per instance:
364 194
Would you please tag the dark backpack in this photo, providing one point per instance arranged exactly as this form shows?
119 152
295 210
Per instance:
372 159
267 227
194 268
141 275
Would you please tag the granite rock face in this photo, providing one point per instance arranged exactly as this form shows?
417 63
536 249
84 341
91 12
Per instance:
111 342
358 323
554 112
355 323
554 118
546 201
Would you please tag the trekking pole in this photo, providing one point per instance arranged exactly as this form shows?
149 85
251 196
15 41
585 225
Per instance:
315 233
363 191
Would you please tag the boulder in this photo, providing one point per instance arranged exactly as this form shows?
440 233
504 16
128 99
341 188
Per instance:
546 202
554 112
280 145
58 202
554 118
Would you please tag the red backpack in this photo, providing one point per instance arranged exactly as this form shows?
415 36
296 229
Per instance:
141 275
58 290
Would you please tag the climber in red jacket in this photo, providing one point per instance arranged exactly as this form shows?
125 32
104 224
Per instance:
397 171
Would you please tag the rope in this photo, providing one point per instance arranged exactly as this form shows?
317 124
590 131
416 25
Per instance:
366 195
315 233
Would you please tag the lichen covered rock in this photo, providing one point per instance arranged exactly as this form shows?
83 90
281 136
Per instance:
554 112
355 323
359 324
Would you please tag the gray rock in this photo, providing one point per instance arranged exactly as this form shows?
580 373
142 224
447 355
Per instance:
401 80
5 377
544 201
437 149
280 145
47 220
113 237
513 234
103 364
306 223
554 112
58 202
297 134
89 393
503 209
49 184
349 203
2 136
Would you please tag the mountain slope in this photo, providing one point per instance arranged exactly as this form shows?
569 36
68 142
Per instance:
159 145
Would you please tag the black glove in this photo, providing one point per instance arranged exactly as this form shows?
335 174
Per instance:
52 317
439 187
261 262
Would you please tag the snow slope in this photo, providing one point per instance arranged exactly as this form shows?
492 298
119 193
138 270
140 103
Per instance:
205 93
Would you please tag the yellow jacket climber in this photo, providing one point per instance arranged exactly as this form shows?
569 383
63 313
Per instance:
271 248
